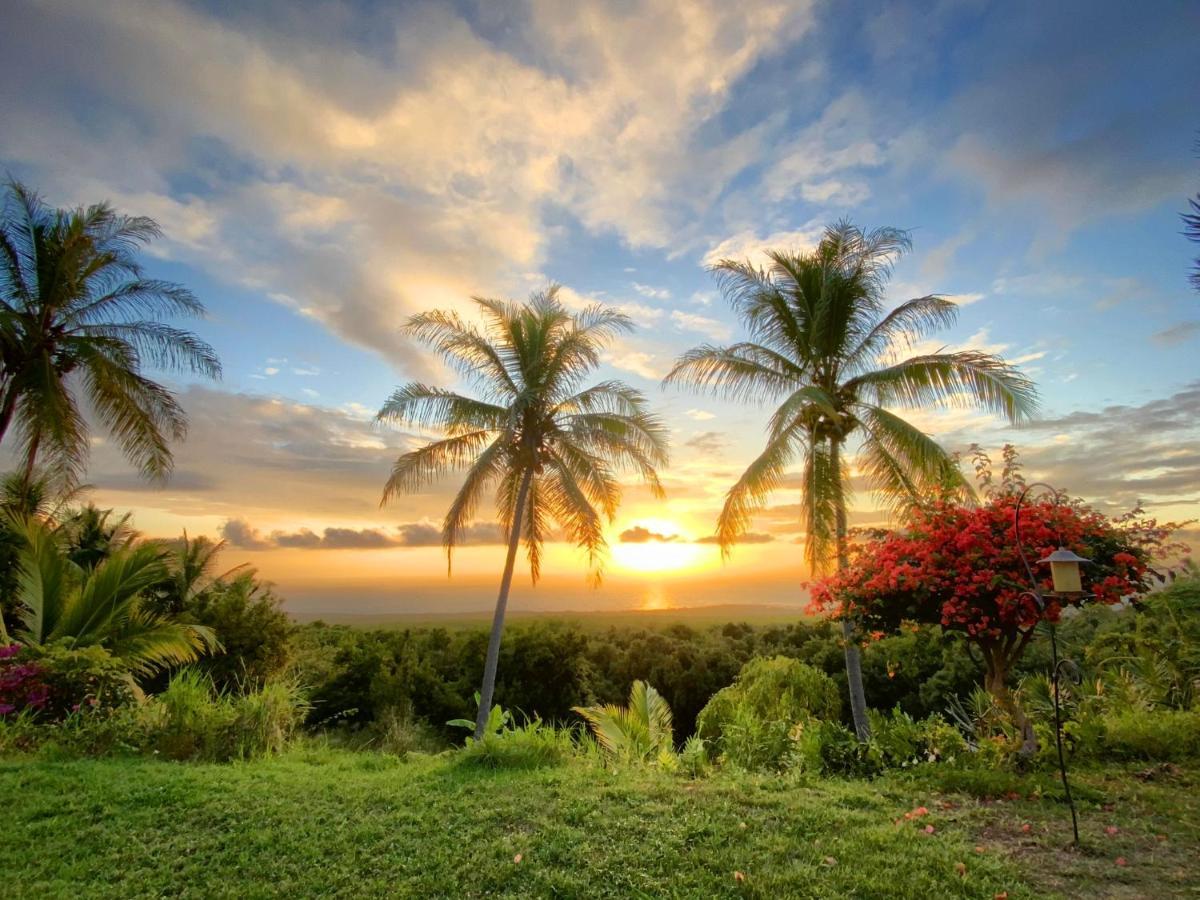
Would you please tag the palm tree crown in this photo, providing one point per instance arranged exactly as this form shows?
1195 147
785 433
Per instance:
76 311
823 348
550 446
105 605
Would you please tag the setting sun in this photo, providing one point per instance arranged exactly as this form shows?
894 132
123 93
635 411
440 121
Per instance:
656 556
659 545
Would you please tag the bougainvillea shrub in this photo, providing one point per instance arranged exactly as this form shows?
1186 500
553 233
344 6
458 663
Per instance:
55 680
22 682
960 567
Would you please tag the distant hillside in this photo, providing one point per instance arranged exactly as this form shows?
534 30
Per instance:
695 616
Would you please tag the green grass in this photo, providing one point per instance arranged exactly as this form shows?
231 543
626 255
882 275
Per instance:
318 822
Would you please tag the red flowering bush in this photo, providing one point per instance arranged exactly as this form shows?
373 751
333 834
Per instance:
22 684
55 680
960 567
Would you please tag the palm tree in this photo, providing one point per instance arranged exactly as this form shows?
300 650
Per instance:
61 601
550 446
641 731
822 347
77 314
93 534
190 564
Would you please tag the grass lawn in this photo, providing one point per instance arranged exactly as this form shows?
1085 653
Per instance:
329 823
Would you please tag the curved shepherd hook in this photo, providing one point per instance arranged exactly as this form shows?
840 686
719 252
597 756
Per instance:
1056 664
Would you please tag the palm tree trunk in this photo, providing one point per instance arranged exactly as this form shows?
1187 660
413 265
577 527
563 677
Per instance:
6 412
31 460
854 679
493 651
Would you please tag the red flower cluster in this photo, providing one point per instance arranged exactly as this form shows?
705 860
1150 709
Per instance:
21 684
960 567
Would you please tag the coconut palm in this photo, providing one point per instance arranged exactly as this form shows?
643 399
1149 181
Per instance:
549 445
92 534
191 564
61 601
822 347
642 730
77 315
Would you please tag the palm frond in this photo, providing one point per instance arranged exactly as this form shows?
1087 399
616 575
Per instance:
749 494
464 349
486 468
45 580
570 506
965 378
643 730
903 465
166 347
424 406
903 326
418 468
742 372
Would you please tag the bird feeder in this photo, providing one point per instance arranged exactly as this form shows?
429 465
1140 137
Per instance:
1064 570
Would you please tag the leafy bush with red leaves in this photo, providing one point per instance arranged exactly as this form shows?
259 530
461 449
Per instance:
960 567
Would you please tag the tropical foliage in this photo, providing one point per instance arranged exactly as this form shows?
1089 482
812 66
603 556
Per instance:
77 313
641 730
749 723
549 445
961 568
823 348
59 601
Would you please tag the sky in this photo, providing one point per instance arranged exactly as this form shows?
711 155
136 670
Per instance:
322 170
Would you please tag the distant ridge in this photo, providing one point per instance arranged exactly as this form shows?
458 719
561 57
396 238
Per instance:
753 613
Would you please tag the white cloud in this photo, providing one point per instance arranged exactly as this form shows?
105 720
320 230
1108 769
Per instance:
711 328
380 183
700 415
748 245
654 293
818 165
638 362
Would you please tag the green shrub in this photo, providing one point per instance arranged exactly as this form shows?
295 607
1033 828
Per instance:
904 741
748 723
78 678
531 745
1159 735
266 720
191 721
246 617
753 743
399 732
830 748
693 757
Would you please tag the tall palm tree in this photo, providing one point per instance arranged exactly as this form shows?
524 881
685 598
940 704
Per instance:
823 348
551 446
62 601
78 314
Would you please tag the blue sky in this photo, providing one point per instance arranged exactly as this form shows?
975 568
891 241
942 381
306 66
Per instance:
322 170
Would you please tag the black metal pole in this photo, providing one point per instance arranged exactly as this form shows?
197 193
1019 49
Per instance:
1062 761
1041 601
